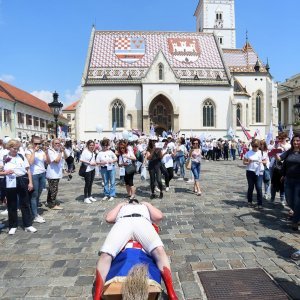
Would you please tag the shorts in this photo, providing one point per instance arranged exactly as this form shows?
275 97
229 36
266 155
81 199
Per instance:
131 228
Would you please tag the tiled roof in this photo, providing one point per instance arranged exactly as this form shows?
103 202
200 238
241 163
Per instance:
19 95
72 106
5 95
242 60
104 61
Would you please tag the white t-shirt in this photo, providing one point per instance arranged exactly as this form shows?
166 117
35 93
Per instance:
69 152
125 160
256 162
105 156
38 166
167 159
17 164
54 170
130 209
90 158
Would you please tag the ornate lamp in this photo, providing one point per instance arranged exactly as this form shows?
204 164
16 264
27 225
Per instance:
56 109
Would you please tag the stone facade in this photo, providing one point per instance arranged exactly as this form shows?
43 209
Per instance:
175 81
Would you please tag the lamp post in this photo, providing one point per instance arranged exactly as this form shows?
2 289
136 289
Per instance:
56 109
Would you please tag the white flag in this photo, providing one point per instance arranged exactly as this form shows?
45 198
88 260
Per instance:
291 134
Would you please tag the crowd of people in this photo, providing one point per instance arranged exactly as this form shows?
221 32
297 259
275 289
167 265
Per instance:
25 168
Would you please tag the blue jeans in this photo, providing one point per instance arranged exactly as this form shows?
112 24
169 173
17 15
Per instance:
180 161
39 183
292 194
254 181
196 170
233 151
109 178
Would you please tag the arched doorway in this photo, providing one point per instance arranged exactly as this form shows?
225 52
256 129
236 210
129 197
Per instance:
161 114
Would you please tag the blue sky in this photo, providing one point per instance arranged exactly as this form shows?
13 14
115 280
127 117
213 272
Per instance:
43 43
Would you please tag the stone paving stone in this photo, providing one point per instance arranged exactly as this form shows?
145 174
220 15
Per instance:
216 231
18 292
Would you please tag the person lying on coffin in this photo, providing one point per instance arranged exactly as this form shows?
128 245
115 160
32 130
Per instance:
133 221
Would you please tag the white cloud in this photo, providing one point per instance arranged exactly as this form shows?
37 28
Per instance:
68 97
71 97
7 77
44 95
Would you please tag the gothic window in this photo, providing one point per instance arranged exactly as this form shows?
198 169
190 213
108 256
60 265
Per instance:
118 113
258 108
238 114
160 72
208 114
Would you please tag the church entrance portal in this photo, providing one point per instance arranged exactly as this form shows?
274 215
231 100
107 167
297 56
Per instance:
161 114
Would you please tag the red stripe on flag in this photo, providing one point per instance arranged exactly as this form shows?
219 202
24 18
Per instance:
247 134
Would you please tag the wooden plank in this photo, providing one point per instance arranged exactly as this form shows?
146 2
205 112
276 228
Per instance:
114 292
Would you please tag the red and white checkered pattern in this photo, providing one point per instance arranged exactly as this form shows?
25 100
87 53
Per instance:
122 44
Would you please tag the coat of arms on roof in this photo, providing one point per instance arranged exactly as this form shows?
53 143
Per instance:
130 49
184 50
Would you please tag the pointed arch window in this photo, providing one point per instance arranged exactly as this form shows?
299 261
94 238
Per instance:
258 108
118 113
238 114
208 114
160 71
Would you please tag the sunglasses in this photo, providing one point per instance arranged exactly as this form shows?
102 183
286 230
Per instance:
37 143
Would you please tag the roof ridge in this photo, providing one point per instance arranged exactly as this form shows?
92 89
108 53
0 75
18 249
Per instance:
6 91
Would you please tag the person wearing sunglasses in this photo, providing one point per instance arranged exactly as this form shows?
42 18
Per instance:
195 155
127 158
254 161
55 158
36 158
18 184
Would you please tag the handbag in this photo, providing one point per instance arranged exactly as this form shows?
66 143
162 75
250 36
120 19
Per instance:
129 169
188 164
266 175
82 170
83 167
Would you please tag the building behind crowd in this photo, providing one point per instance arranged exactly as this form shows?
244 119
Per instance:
188 81
23 115
70 114
288 98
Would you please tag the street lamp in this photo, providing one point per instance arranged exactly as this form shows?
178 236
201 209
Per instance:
56 109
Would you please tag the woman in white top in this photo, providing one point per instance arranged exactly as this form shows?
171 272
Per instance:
254 161
89 159
69 154
180 156
55 158
106 159
266 173
167 163
133 221
126 158
18 183
36 158
196 155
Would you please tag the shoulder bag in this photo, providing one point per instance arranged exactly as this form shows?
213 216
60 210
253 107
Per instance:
83 167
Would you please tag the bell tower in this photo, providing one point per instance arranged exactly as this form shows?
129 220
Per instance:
217 16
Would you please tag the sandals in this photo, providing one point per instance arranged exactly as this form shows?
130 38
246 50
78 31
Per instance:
296 255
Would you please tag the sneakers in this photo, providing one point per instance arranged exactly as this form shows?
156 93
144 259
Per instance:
87 201
30 229
93 199
283 202
180 178
39 219
167 189
69 177
4 212
57 207
157 189
111 199
12 231
105 198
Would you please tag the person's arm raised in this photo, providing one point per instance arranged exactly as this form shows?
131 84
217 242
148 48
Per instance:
112 214
155 214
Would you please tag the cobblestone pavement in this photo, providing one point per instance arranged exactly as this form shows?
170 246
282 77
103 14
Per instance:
216 231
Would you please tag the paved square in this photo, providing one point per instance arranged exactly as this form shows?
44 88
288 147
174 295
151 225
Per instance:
216 231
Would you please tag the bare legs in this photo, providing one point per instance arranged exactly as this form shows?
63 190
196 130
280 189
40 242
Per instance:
197 188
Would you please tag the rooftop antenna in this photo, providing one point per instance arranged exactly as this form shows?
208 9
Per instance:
247 44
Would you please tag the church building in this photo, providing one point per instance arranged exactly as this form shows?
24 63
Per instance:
195 82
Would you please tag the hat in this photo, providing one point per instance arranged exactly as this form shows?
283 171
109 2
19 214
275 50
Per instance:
6 139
